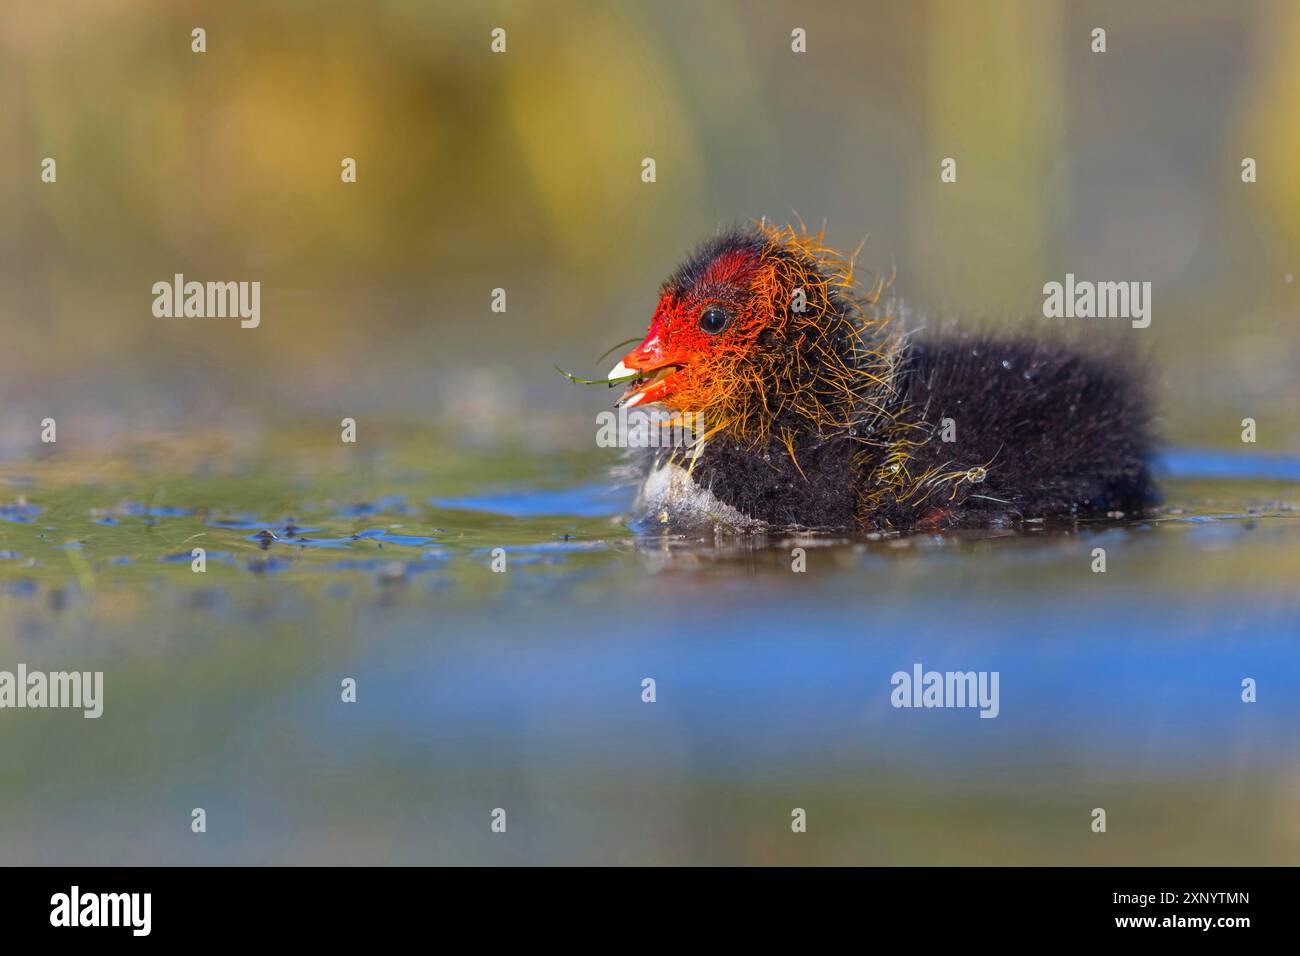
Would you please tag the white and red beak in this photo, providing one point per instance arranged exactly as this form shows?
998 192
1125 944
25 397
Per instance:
649 370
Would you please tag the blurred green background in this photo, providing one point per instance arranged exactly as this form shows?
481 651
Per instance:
522 171
522 690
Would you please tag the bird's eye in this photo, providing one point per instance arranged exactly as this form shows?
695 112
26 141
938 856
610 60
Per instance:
714 320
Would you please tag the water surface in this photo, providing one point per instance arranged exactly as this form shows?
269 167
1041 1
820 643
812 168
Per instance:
523 689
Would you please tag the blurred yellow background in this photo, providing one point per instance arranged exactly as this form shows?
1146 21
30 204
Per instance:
522 171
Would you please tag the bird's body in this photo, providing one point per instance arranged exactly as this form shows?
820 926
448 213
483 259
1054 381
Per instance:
834 418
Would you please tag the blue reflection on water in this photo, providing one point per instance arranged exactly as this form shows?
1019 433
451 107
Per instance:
1201 463
767 681
584 501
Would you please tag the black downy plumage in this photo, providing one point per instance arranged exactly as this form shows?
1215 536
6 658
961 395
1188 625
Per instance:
994 430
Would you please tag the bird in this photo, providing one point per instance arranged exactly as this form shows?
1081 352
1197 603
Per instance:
811 406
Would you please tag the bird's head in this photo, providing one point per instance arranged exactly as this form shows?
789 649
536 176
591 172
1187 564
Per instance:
761 330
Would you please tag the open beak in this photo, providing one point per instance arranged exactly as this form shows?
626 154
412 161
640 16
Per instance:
648 372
